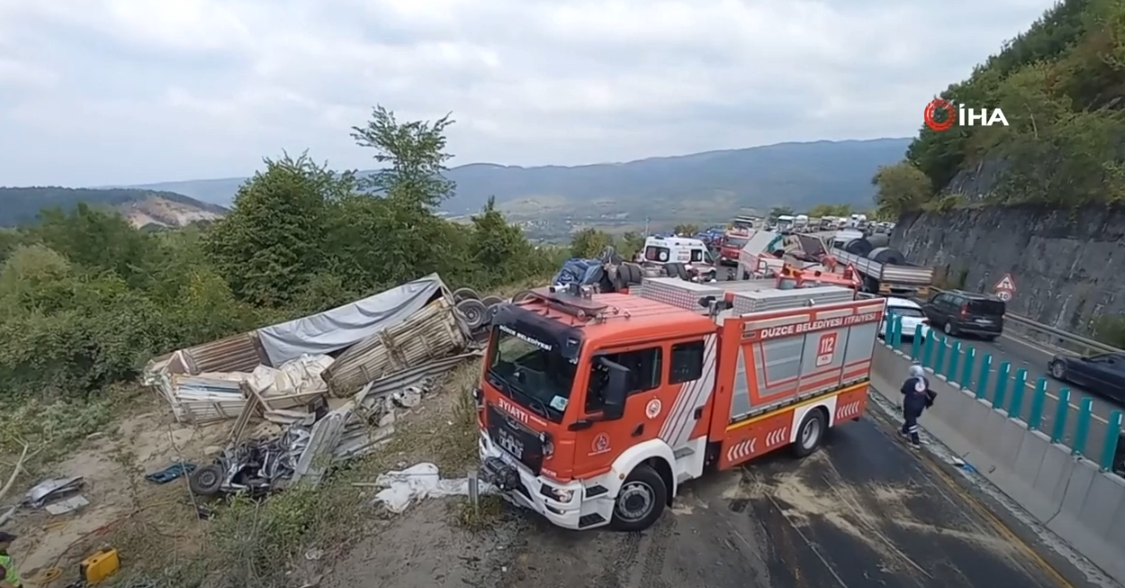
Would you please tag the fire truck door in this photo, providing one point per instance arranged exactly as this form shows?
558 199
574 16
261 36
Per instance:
599 444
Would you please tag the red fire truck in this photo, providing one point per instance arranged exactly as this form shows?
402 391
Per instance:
730 247
595 408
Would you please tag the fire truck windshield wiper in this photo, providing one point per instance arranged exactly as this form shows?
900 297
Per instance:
535 404
511 391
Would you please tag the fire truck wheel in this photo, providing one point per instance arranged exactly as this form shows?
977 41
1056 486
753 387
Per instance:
641 500
465 294
811 433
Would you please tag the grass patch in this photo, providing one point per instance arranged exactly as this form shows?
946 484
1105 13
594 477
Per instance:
488 511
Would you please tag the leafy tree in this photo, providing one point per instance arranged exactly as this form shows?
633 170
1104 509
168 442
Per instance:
686 229
629 244
499 248
273 240
900 188
414 155
588 243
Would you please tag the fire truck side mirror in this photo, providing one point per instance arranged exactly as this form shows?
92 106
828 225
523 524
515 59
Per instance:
616 391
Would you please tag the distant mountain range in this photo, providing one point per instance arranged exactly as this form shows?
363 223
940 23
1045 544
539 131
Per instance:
797 175
688 187
143 208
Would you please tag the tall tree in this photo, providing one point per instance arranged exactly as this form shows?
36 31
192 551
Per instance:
413 154
900 188
272 241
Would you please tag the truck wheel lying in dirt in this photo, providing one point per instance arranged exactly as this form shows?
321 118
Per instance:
811 433
521 296
491 301
640 501
207 480
465 294
473 311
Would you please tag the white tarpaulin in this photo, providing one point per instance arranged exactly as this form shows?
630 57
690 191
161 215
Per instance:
342 327
419 482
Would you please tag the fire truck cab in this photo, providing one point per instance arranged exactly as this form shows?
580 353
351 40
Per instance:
594 408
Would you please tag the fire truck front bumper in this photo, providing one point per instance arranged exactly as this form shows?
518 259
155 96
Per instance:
562 503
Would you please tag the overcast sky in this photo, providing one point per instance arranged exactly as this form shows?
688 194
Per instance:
97 92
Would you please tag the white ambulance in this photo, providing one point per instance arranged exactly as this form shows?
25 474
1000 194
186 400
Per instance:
672 253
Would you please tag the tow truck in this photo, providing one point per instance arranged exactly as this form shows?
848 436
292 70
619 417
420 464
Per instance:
595 409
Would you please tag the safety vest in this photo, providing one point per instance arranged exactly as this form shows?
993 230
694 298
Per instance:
13 576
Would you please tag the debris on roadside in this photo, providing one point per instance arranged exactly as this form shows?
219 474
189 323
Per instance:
52 490
402 488
172 472
342 378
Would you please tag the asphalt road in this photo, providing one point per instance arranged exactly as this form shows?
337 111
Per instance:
1034 359
864 511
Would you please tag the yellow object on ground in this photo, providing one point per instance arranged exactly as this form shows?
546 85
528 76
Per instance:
100 566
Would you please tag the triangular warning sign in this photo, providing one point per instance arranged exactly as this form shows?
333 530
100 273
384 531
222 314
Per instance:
1006 284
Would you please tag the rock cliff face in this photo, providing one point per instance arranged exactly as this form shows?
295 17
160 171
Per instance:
1068 265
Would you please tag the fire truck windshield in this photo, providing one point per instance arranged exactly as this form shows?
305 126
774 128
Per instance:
738 242
531 372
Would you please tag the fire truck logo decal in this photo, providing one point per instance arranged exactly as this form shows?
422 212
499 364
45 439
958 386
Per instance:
600 444
679 423
652 410
847 411
741 450
514 411
777 436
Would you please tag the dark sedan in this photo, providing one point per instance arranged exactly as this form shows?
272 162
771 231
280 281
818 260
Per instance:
1103 374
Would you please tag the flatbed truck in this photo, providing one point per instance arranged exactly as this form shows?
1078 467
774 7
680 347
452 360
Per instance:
887 279
595 409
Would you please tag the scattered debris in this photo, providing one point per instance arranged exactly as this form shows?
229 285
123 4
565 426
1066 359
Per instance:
418 482
51 490
172 472
342 378
69 505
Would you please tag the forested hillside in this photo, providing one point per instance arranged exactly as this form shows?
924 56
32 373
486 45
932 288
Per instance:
1061 85
22 205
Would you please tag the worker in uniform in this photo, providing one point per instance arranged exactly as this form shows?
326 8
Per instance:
916 398
8 571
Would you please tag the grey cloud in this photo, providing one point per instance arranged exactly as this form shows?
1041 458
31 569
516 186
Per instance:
134 91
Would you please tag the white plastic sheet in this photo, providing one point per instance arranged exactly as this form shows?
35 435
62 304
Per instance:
344 326
301 375
418 482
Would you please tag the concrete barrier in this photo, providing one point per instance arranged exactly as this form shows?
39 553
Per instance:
1067 494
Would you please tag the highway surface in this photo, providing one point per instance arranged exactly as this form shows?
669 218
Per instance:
1033 358
864 511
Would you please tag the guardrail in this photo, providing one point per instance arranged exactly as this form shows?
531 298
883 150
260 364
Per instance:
1007 388
1046 335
